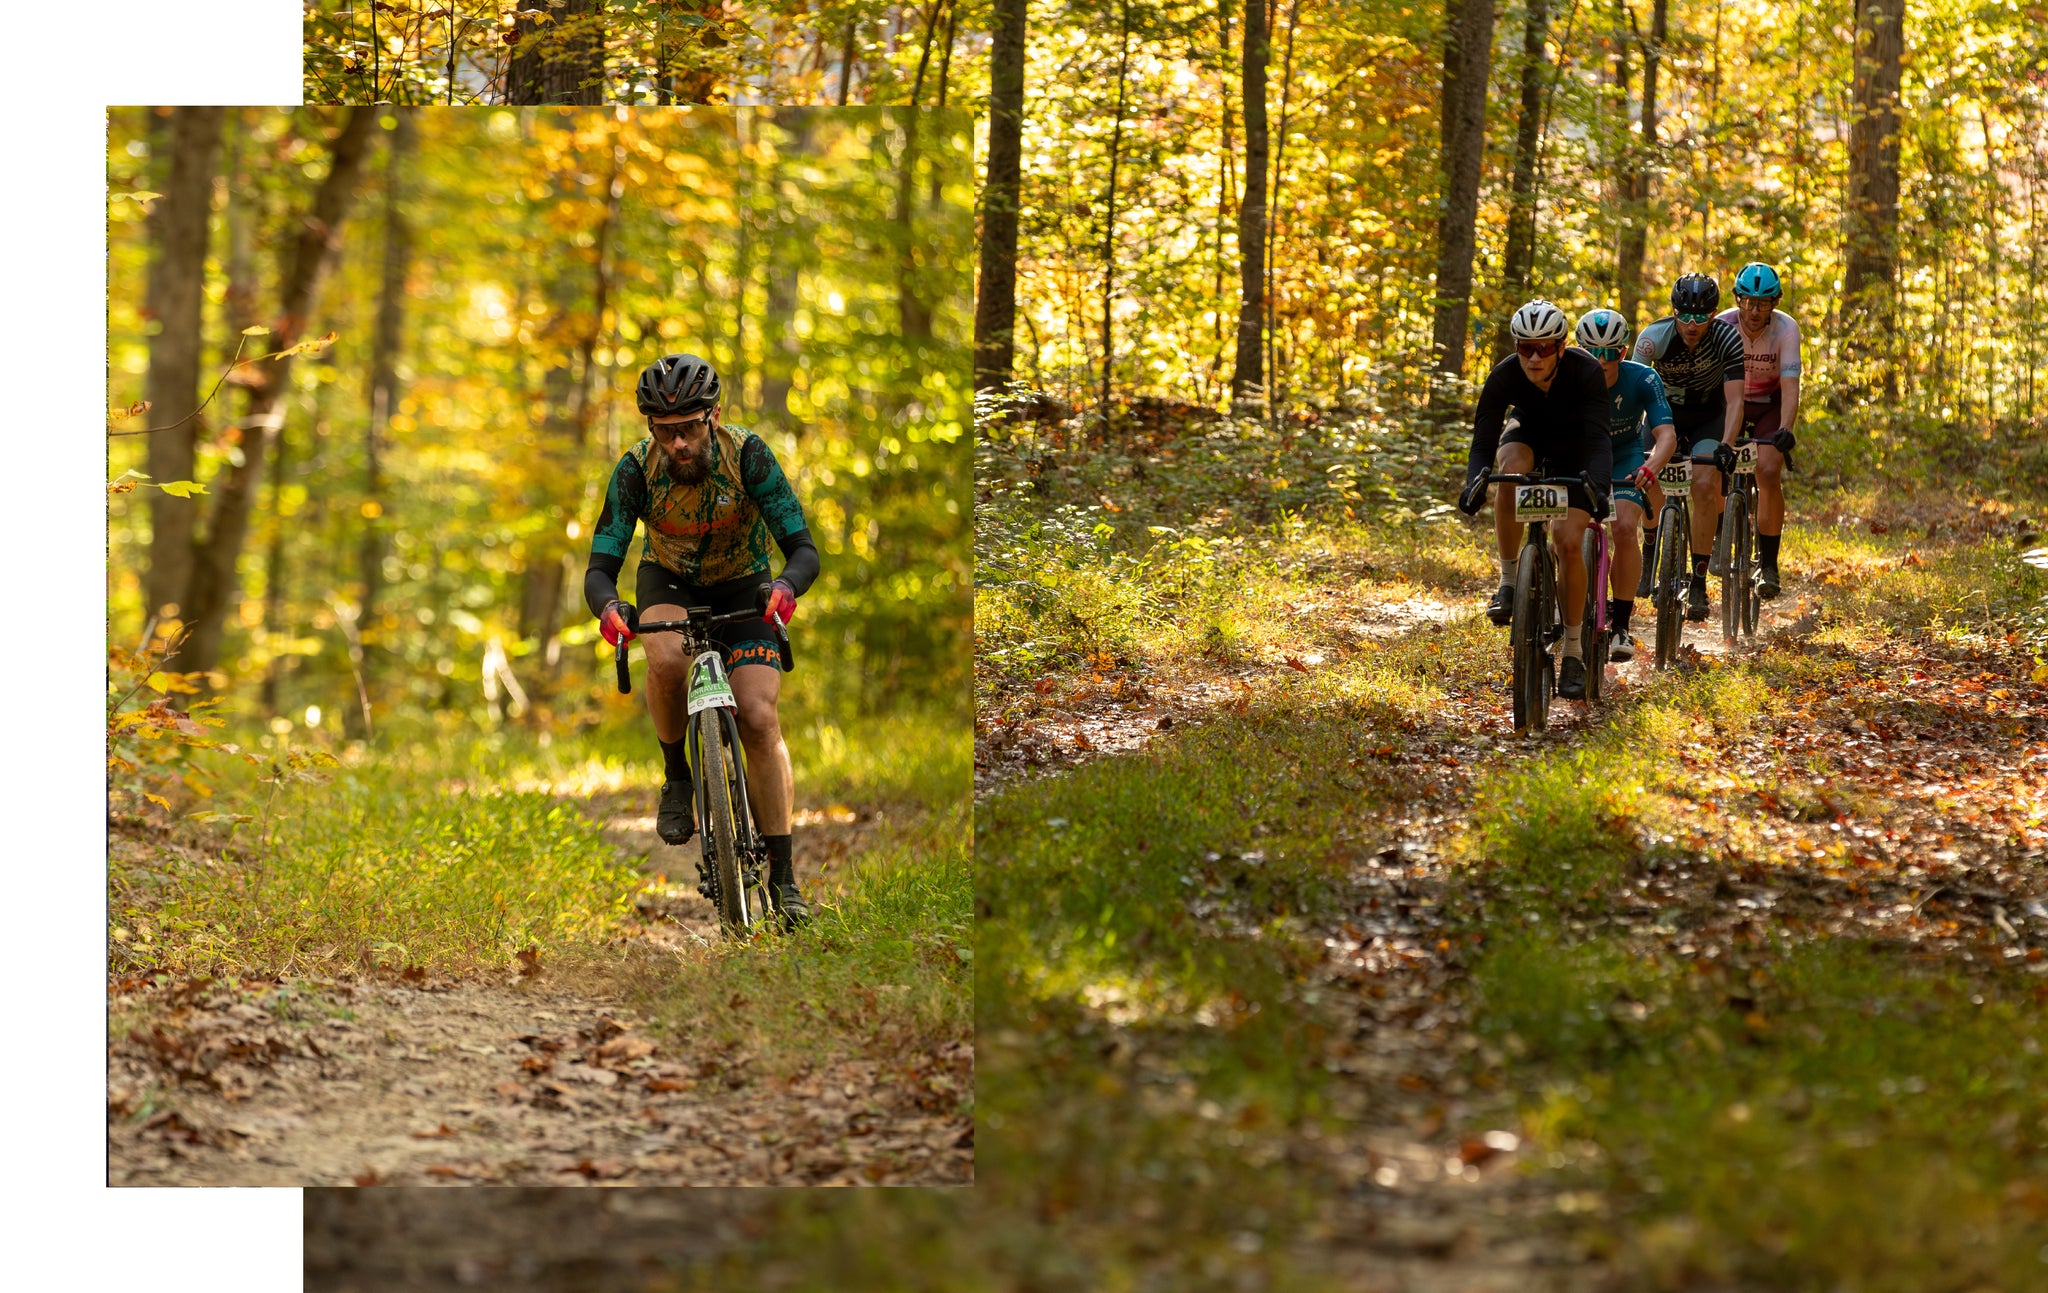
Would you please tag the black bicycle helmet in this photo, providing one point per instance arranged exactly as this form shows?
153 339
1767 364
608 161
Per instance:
1695 294
677 384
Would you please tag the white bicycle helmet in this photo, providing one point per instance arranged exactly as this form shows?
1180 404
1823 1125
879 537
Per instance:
1538 320
1601 328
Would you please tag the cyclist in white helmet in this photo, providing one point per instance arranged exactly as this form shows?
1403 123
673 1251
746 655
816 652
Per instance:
1559 420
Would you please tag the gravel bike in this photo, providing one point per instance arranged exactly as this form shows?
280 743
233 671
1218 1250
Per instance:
1537 620
1664 573
734 872
1734 557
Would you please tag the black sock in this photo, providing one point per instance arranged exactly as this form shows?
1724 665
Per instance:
1767 549
1618 612
675 764
1699 565
781 870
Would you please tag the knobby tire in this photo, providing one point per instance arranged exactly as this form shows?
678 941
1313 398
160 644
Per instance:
1736 519
1531 665
1592 640
717 783
1672 543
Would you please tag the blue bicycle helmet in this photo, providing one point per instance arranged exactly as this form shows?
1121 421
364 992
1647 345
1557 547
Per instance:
1759 279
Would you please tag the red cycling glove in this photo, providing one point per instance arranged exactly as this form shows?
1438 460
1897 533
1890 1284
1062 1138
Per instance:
616 624
781 604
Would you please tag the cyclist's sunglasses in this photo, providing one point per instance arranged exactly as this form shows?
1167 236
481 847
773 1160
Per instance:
1694 318
679 428
1605 354
1538 349
1768 302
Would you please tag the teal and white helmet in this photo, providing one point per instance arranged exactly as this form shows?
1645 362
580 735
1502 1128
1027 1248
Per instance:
1538 320
1757 279
1601 328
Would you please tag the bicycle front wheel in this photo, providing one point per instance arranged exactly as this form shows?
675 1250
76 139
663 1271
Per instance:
1752 594
1735 519
1672 543
1593 638
1532 665
715 781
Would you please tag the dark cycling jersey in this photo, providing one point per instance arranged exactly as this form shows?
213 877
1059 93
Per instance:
1692 374
1566 426
709 534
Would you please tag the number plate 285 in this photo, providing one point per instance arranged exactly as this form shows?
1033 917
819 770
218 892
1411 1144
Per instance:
1676 478
1541 502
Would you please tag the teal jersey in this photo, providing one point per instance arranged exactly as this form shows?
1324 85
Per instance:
1635 404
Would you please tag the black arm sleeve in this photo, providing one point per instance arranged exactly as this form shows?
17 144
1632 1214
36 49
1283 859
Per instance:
1589 412
1486 424
800 558
601 581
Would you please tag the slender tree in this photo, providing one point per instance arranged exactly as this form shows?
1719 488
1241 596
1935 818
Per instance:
383 392
1116 139
1871 217
178 226
1247 379
1636 158
309 259
1520 257
995 303
1468 50
559 56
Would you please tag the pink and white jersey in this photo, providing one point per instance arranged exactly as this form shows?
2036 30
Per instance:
1772 354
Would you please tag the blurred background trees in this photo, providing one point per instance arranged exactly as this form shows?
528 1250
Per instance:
395 521
842 52
1339 204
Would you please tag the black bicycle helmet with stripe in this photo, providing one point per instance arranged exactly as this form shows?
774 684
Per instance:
676 384
1695 294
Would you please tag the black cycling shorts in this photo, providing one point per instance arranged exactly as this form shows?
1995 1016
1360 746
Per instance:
1552 458
743 641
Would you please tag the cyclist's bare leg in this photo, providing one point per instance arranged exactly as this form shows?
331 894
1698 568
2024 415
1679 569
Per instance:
668 674
1706 509
1770 490
1566 535
1625 551
1510 460
756 687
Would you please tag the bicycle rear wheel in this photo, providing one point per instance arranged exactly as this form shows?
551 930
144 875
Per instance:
1752 593
1672 543
1592 638
1735 519
715 781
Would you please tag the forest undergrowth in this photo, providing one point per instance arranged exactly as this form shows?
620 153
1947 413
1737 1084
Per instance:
295 922
1297 969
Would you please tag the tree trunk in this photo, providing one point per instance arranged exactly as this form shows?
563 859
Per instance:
1271 295
273 575
559 61
1116 141
312 257
1247 378
1468 55
846 63
1871 220
1635 235
1225 176
995 305
178 224
781 348
1521 245
383 385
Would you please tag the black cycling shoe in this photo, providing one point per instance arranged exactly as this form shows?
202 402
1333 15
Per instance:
790 905
1696 600
1767 583
1501 610
1622 649
676 821
1571 679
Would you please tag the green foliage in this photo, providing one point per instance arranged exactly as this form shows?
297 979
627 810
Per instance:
389 866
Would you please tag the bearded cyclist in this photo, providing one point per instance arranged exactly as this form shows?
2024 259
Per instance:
1559 398
1635 402
1700 359
711 495
1770 402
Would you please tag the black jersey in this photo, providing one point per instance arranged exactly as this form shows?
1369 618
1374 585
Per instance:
1566 425
1692 374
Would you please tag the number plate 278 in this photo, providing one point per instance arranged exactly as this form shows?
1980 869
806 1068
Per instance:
1541 502
1745 460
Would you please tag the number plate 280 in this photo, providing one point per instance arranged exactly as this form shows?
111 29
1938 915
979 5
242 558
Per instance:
1541 502
1676 478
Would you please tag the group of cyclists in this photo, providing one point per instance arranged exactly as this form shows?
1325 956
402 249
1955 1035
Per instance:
1701 377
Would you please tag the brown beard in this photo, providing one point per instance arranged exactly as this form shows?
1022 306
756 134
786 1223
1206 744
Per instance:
691 469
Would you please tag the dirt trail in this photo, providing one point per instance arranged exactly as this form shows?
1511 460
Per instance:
532 1079
1435 1197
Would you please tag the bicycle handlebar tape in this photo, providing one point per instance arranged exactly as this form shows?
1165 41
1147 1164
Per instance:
788 656
625 671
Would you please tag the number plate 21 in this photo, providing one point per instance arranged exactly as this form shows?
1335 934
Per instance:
1541 502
